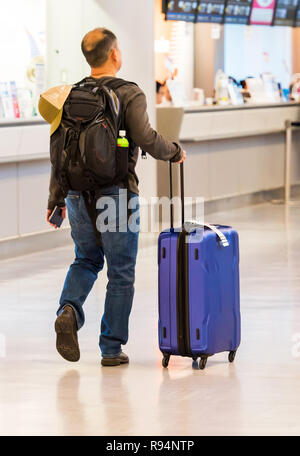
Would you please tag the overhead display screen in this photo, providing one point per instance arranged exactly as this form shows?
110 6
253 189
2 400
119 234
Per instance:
285 12
262 12
297 21
238 11
211 11
180 10
253 12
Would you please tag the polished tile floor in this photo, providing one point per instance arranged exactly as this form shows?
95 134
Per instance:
41 394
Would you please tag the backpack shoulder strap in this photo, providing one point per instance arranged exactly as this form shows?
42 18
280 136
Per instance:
116 83
113 83
77 84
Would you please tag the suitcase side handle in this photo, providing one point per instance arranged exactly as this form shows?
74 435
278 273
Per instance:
218 232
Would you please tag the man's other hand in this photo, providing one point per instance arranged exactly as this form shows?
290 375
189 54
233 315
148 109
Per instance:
49 212
182 158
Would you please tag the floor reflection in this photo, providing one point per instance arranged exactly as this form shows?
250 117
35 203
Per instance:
259 394
118 414
70 408
190 400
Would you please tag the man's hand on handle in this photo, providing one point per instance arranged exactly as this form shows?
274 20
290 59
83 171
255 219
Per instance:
182 159
49 212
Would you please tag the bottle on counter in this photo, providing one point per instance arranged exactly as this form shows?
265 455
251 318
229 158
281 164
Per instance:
295 88
221 88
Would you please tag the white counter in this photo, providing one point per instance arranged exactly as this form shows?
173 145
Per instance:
238 150
232 151
221 122
22 140
24 177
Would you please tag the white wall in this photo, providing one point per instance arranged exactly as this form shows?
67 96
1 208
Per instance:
182 54
64 34
209 56
22 34
249 51
132 22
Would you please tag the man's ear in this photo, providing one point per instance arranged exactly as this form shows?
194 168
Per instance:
114 55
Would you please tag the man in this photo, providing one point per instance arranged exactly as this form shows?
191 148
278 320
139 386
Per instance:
159 93
101 50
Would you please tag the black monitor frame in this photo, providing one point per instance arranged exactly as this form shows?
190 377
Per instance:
164 5
165 10
234 23
295 21
285 25
226 2
210 22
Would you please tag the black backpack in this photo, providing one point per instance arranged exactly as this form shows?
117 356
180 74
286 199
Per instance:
83 150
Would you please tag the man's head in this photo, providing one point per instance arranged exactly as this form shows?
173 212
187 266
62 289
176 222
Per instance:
101 50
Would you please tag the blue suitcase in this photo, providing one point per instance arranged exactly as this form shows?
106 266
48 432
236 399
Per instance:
199 297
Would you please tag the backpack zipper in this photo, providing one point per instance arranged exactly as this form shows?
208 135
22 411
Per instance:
96 122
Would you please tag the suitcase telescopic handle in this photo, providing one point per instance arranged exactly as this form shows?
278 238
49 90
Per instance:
194 223
181 194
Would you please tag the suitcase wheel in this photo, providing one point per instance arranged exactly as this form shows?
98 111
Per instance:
231 356
202 363
195 363
165 361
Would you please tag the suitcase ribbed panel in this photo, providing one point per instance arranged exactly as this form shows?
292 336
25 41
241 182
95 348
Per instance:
167 244
214 293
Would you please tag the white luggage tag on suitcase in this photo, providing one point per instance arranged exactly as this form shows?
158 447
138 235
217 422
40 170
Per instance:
193 224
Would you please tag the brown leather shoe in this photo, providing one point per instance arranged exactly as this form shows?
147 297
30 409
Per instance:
121 359
66 330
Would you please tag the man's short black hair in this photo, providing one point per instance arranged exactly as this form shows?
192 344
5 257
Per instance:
96 46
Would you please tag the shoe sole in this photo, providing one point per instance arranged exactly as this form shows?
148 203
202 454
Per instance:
112 362
66 340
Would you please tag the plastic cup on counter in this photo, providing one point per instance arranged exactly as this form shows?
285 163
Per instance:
198 96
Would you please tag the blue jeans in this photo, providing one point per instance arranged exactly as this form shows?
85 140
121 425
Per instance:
120 251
